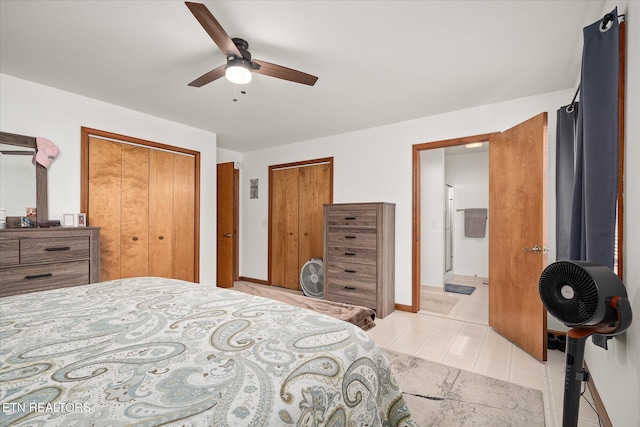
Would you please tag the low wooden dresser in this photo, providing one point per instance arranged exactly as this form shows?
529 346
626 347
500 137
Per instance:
35 259
359 255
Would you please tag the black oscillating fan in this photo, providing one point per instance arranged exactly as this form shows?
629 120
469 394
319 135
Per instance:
591 299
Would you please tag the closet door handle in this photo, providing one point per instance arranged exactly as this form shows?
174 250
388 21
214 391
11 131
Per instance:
61 248
38 276
161 237
135 238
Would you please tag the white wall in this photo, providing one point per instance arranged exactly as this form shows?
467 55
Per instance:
432 172
469 175
375 165
31 109
616 372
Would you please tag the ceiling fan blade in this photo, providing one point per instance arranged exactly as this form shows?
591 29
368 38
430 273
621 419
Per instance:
280 72
212 75
213 28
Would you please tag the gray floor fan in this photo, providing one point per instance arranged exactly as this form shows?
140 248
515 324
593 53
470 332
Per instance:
590 299
311 277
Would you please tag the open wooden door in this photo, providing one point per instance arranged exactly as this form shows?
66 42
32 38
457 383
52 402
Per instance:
227 201
517 234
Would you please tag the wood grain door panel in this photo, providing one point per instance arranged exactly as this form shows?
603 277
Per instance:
285 228
161 213
225 224
105 186
314 192
134 240
184 203
517 220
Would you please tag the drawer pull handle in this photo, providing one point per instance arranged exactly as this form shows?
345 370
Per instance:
349 237
350 271
350 288
61 248
350 253
349 218
38 276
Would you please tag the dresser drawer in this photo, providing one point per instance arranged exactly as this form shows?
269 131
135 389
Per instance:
18 280
353 254
355 237
9 252
346 287
340 273
366 217
53 249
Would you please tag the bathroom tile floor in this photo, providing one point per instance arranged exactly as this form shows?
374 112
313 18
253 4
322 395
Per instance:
474 346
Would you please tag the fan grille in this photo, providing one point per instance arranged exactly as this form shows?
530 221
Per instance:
569 293
311 278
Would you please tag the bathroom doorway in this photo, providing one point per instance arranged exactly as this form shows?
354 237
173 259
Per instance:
456 178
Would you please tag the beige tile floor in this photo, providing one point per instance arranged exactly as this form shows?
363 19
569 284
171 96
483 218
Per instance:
475 347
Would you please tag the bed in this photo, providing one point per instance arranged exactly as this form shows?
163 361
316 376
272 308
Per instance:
150 351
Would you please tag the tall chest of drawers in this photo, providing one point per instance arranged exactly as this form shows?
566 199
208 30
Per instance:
36 259
359 255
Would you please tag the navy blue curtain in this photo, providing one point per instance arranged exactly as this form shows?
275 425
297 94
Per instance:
566 139
595 183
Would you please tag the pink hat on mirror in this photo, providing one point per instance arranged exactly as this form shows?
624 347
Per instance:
46 152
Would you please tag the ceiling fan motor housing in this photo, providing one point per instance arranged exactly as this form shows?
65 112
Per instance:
579 292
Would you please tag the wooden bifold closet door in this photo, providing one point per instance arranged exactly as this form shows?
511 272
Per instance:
297 196
144 200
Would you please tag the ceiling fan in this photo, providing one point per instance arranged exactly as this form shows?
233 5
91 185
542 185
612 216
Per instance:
239 66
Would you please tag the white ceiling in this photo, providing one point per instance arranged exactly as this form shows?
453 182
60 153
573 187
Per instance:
378 62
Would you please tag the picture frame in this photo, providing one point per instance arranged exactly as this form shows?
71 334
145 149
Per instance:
81 220
68 220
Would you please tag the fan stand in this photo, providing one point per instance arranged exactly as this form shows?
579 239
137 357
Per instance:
574 371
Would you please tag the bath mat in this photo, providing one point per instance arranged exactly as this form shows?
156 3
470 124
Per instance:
437 302
459 289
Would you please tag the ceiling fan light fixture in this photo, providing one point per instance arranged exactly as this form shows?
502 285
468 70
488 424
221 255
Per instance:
238 71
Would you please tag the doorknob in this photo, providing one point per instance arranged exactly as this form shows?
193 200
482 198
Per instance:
536 249
228 235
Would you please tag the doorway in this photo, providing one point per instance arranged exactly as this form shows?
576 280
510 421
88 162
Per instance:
517 230
227 258
454 178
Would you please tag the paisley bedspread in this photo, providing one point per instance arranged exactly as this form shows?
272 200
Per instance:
150 351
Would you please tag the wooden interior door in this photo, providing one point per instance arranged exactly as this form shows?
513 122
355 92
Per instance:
160 213
134 233
145 197
226 228
104 180
314 192
284 228
184 254
517 234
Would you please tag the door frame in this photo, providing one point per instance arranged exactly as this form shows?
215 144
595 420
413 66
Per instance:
415 228
299 164
86 133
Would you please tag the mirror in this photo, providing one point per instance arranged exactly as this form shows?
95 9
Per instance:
18 172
